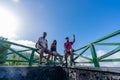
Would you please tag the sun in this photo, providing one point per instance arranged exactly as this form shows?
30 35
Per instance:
8 23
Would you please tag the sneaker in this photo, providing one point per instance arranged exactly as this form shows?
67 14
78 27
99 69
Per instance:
47 63
73 62
39 64
65 64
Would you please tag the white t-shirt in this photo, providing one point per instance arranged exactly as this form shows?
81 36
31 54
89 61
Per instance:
43 42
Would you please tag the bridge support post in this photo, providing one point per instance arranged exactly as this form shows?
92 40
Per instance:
31 58
94 56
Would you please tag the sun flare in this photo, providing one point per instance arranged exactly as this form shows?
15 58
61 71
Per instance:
8 23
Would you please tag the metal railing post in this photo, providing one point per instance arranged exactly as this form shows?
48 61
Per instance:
94 56
31 58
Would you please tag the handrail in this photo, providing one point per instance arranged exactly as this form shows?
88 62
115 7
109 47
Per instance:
92 45
13 43
26 48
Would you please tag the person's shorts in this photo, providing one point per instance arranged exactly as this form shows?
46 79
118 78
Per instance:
40 49
54 52
68 51
43 50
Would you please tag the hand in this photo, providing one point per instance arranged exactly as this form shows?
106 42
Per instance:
73 36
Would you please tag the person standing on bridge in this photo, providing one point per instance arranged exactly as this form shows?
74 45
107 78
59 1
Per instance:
68 49
42 46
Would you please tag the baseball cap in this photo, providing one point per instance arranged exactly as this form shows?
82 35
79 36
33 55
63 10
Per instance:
67 38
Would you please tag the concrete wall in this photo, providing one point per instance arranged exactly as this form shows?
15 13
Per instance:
58 73
32 73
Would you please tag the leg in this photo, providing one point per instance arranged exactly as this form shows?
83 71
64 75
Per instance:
55 56
60 57
41 56
41 51
48 57
72 56
66 57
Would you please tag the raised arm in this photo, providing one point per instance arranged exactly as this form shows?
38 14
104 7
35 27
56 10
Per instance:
73 38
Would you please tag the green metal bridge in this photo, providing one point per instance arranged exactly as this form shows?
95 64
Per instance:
89 48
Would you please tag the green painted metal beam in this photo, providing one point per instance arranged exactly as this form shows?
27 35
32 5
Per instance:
13 61
24 50
87 62
4 54
108 36
111 60
81 48
87 58
94 56
31 58
108 44
86 48
13 43
13 51
109 53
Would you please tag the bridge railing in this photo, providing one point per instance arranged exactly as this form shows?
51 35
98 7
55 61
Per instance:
92 47
95 59
18 52
7 45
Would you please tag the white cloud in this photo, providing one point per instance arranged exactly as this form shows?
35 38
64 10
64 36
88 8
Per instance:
100 53
25 42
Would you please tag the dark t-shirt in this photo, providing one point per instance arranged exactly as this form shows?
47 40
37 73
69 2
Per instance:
53 48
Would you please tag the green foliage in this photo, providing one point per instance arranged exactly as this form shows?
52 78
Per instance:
3 51
15 57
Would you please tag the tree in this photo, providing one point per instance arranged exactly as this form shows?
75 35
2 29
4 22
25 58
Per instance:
3 51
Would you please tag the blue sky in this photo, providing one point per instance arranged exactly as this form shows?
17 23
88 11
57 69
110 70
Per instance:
87 19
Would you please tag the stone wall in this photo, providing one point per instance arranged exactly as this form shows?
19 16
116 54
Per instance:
92 73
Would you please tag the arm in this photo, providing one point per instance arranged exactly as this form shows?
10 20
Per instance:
46 45
39 42
51 47
65 47
73 38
